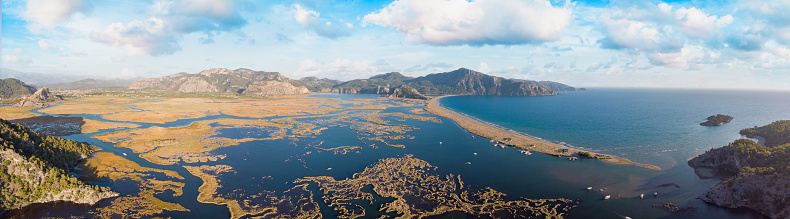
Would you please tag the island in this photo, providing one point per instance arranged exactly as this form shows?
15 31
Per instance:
717 120
758 176
520 141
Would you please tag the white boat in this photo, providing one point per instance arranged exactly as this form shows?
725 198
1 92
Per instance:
329 168
607 197
468 163
475 154
655 194
589 188
440 142
124 154
528 153
642 195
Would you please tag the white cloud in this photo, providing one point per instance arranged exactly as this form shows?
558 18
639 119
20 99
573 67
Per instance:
307 67
172 19
311 20
481 22
44 44
48 13
695 23
622 33
149 37
483 67
18 58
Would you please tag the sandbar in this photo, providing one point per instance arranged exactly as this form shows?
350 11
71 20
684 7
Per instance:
517 140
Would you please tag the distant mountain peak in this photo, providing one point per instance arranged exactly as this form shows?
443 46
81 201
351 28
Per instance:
241 81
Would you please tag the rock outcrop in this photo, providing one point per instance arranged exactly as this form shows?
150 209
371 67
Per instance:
758 175
41 98
225 80
405 91
722 161
767 194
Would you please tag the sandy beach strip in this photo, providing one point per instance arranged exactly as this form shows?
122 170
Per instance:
517 140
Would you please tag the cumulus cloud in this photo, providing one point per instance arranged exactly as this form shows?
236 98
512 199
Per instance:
481 22
694 22
172 19
623 33
312 21
49 13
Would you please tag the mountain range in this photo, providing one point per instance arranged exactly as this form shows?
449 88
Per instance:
260 83
241 81
461 81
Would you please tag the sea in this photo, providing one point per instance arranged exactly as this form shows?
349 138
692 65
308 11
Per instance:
652 126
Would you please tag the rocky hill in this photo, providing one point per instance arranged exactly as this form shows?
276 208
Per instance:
41 98
12 89
34 168
91 83
759 175
241 81
461 81
314 84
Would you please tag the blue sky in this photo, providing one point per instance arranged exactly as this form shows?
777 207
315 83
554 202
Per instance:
689 44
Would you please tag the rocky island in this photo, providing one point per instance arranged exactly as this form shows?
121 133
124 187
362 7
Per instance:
717 120
759 175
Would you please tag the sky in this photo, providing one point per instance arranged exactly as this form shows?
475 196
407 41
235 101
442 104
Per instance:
741 44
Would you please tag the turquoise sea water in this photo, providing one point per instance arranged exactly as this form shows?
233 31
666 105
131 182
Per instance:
659 127
653 126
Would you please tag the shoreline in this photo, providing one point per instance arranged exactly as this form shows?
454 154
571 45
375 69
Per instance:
517 140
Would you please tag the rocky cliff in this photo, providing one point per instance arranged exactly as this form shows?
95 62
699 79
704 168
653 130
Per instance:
760 175
404 91
34 169
41 98
225 80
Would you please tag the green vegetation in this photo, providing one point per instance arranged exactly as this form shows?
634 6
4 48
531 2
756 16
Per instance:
13 88
763 160
776 133
717 120
586 154
36 167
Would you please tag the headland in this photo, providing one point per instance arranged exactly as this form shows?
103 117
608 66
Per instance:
520 141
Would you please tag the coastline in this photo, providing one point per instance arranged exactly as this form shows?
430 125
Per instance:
517 140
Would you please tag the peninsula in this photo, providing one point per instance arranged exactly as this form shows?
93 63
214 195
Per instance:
520 141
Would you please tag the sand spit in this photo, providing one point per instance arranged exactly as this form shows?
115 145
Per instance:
517 140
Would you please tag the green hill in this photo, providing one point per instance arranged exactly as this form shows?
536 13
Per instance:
34 168
12 89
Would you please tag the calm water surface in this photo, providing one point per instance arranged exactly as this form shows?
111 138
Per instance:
659 127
